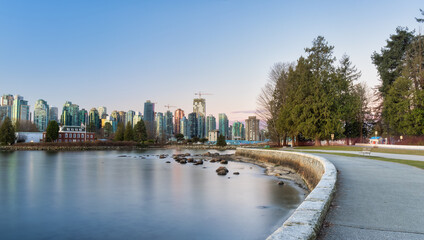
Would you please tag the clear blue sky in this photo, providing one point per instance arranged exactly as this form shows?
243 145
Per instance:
120 53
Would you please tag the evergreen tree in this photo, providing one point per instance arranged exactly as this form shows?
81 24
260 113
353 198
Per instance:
108 129
7 132
129 132
140 132
52 131
221 141
120 132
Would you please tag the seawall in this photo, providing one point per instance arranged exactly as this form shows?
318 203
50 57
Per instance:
320 176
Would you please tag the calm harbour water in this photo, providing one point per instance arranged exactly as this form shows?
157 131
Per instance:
98 195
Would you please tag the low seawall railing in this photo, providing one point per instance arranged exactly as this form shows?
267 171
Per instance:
320 176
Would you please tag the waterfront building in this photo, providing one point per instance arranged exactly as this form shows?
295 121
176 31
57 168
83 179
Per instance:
237 131
41 114
213 135
6 100
73 134
54 114
102 112
70 114
83 117
149 118
210 123
122 117
20 109
184 127
94 120
252 129
129 117
199 106
137 118
160 126
169 125
230 133
201 126
223 124
192 125
178 115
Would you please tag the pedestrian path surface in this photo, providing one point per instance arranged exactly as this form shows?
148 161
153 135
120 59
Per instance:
375 154
375 200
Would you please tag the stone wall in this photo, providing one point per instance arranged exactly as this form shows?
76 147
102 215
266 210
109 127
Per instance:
319 174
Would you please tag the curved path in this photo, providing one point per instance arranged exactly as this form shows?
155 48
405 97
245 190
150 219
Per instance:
375 200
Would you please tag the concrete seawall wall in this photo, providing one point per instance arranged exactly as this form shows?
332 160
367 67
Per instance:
319 174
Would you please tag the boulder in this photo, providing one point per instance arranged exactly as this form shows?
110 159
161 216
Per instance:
236 173
222 171
224 161
168 162
280 183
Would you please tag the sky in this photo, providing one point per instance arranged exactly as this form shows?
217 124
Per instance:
119 54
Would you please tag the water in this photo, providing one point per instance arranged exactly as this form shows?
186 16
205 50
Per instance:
98 195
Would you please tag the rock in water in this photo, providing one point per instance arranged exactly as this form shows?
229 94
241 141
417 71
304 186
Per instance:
168 162
222 171
280 183
224 161
236 173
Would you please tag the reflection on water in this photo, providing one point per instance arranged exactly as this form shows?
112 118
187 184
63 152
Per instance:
98 195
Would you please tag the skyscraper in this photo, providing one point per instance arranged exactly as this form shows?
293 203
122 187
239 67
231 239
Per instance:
94 120
252 129
192 125
83 117
123 117
137 117
223 124
54 114
179 114
238 131
6 105
115 116
210 123
129 117
199 106
201 126
160 126
149 118
70 114
169 126
20 109
41 114
184 127
102 112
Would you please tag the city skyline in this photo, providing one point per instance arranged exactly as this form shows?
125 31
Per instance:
157 51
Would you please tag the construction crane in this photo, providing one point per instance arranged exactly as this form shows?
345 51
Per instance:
202 93
169 106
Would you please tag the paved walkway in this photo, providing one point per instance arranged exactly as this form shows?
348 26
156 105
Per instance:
375 200
376 154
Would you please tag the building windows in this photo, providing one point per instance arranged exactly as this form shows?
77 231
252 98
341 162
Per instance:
78 136
82 135
66 135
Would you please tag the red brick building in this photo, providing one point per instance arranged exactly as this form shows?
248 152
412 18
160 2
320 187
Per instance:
73 134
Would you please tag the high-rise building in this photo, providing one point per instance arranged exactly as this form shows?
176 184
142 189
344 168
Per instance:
184 127
179 114
83 117
160 126
129 117
122 117
41 114
54 114
223 124
70 114
238 131
6 105
210 123
111 121
169 125
94 120
199 106
6 100
192 125
115 116
149 118
102 112
20 109
201 126
252 129
137 118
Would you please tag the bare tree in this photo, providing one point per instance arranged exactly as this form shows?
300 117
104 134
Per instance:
271 99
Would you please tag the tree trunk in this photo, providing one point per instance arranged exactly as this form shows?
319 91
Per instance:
285 140
317 141
347 141
328 142
360 133
293 142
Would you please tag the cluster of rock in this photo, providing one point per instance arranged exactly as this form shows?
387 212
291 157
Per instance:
184 158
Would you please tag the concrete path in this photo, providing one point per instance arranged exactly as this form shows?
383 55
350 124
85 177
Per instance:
375 200
376 154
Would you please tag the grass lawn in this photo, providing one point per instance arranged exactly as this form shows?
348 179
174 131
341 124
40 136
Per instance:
418 164
352 148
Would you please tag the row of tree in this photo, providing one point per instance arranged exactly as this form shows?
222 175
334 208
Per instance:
128 133
314 98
